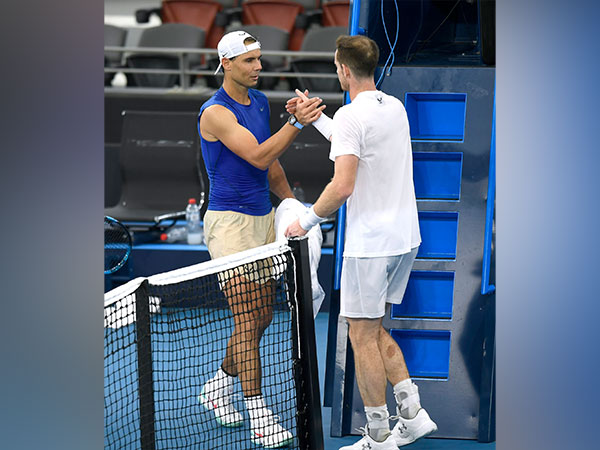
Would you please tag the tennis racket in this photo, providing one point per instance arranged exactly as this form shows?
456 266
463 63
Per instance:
117 245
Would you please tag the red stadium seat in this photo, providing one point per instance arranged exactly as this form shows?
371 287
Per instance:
335 13
201 13
276 13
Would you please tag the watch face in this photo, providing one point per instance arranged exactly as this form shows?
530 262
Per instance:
292 120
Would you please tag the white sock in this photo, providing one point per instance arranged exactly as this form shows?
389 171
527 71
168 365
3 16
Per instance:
407 397
378 422
256 407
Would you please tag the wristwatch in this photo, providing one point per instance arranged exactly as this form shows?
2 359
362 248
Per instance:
293 121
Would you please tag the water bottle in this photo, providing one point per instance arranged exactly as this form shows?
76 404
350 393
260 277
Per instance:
298 192
195 234
176 234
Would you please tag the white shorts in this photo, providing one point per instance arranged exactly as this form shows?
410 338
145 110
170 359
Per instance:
369 283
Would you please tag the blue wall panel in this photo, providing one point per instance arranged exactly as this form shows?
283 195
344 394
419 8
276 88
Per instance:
429 294
439 234
437 116
437 175
426 352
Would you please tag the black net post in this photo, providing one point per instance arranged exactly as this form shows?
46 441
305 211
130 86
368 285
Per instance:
310 428
144 366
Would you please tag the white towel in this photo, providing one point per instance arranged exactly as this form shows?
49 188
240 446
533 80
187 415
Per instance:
288 211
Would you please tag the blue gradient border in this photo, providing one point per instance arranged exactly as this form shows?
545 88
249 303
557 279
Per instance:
547 216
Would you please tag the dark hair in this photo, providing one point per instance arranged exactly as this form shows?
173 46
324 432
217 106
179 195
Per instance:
359 53
249 40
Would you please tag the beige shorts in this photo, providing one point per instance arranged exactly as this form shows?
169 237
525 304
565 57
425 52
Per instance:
229 232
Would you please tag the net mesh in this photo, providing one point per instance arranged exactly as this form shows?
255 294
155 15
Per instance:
191 316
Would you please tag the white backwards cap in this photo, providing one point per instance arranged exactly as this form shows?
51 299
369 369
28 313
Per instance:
232 45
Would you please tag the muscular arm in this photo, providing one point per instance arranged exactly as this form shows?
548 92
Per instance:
278 181
217 123
335 193
339 188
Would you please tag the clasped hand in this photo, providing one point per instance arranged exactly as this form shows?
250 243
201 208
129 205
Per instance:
306 110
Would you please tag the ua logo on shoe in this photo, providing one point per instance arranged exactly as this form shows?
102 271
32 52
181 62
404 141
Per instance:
366 446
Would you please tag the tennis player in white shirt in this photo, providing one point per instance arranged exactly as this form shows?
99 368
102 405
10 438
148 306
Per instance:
371 148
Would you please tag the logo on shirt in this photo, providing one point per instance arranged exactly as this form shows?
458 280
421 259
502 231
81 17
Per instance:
379 99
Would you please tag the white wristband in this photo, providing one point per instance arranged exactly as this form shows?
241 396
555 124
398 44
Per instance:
310 219
324 125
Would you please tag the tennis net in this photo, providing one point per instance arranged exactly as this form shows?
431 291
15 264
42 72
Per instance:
165 336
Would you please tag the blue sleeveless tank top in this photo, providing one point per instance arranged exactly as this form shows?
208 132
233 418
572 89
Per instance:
235 184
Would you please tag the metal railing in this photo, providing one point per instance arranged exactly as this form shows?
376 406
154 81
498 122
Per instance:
192 66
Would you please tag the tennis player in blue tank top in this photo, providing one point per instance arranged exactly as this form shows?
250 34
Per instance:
240 156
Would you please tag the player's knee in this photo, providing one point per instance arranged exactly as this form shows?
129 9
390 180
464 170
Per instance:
383 334
356 336
263 319
361 335
254 322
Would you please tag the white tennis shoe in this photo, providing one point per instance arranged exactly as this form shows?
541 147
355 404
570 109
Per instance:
408 431
267 432
218 400
368 443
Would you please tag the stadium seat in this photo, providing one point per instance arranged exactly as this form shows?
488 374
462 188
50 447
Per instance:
200 13
282 14
175 35
209 15
113 37
335 13
320 39
160 163
309 4
229 4
271 38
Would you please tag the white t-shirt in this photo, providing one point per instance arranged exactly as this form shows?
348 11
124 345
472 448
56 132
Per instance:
381 213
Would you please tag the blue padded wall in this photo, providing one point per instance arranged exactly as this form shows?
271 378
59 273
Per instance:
429 294
437 175
426 352
437 116
439 232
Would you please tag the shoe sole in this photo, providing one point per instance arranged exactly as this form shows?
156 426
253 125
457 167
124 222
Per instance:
282 444
206 404
425 430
